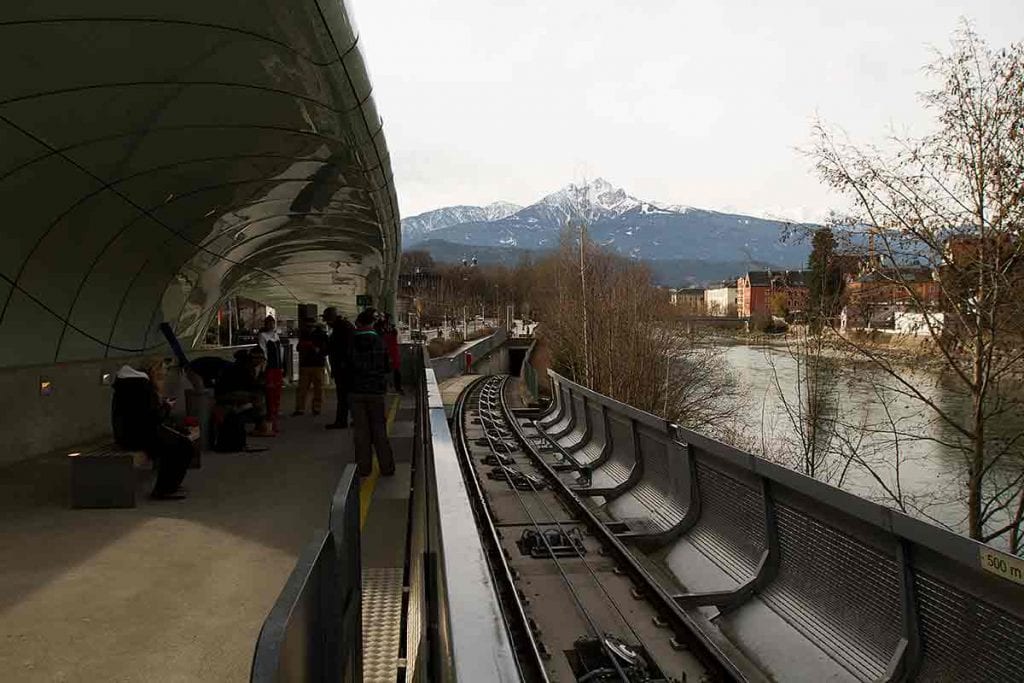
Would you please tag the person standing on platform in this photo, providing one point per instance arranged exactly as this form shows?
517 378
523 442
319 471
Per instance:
270 343
313 343
389 333
369 366
337 353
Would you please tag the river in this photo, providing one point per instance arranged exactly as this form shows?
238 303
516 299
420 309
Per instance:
910 451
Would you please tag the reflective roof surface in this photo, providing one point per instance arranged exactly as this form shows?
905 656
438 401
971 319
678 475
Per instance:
159 157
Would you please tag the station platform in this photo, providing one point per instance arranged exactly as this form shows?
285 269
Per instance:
178 590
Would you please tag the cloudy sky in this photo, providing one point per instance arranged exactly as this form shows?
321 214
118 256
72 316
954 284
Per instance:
698 103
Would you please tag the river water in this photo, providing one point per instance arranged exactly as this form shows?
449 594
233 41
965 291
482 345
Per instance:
902 444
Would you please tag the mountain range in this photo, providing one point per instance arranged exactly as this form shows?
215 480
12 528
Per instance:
682 244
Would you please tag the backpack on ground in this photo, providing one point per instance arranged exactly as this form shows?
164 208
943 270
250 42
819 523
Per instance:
230 436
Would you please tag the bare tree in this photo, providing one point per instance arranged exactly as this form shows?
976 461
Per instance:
953 202
634 353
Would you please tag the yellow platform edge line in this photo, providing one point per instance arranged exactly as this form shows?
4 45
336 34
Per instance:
367 485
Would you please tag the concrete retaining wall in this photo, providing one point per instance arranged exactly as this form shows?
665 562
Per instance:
446 367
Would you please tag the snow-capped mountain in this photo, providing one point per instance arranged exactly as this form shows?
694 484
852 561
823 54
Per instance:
417 227
633 227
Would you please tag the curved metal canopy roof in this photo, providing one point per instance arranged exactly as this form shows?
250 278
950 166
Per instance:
158 157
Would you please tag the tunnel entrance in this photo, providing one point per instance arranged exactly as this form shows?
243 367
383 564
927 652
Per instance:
515 360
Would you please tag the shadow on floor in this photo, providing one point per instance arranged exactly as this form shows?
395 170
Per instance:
273 498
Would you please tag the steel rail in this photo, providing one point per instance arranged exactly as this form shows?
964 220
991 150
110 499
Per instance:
521 628
708 652
580 556
554 557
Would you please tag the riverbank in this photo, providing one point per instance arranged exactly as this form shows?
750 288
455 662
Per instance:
896 349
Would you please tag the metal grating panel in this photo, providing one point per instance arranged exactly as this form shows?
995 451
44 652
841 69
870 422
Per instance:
580 428
731 528
839 592
566 418
655 490
557 407
595 445
665 512
382 623
617 468
964 639
611 474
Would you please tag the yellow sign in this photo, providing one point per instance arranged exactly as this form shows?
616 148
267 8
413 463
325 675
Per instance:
1006 566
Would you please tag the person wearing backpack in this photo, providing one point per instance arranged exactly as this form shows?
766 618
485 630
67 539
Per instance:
368 370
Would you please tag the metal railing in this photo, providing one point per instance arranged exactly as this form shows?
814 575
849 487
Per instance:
468 640
314 630
886 596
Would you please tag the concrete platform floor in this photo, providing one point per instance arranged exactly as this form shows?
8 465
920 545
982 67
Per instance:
167 591
451 388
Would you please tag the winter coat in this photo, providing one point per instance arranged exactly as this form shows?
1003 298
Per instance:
313 344
135 412
338 347
368 363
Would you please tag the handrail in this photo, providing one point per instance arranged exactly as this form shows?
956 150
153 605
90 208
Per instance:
473 644
314 629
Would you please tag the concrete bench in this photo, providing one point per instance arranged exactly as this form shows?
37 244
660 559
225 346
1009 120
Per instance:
105 476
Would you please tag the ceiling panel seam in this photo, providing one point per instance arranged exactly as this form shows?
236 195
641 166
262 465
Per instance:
178 22
387 242
129 201
218 84
59 317
60 151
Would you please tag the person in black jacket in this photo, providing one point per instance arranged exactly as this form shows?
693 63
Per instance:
368 370
138 416
337 353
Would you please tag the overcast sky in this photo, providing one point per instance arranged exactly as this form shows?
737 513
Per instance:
697 103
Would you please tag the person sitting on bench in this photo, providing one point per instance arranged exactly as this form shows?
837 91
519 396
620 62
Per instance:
240 392
139 419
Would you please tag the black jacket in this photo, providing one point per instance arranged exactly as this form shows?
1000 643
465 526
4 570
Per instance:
338 347
313 345
368 363
238 376
136 414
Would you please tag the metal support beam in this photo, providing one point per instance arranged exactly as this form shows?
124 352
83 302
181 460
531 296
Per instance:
907 656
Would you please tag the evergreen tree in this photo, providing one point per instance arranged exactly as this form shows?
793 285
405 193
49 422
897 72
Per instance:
824 279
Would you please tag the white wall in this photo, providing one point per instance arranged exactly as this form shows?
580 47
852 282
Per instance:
717 301
914 323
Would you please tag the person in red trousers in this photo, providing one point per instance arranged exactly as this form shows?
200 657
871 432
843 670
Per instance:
270 343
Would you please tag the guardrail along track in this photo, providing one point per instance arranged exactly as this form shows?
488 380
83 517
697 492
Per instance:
576 607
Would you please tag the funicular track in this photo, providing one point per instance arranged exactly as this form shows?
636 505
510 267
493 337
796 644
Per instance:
578 603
